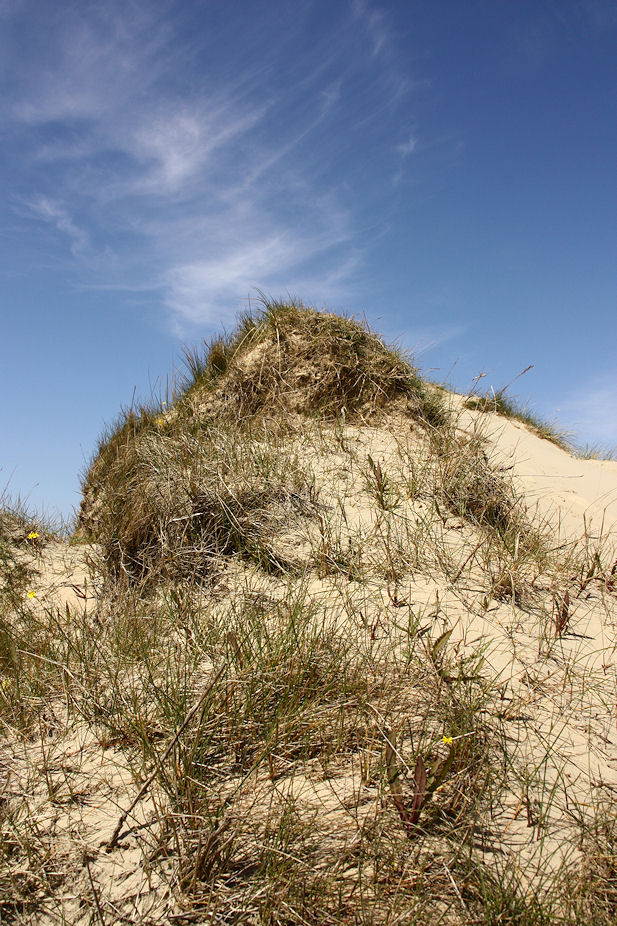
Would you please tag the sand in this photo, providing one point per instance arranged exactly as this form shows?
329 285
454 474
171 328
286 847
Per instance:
560 693
573 494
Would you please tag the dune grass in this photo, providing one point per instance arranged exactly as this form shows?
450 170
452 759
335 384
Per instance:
309 680
597 452
508 407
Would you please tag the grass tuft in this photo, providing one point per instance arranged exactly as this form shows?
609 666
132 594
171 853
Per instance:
501 404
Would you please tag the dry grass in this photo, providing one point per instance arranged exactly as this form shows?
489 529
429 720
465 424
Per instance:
172 486
292 359
501 404
318 668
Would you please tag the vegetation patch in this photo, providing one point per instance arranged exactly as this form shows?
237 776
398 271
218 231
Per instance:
501 404
294 359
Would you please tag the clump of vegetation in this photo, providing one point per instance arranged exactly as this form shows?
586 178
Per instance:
25 642
14 570
291 358
501 404
170 487
23 536
171 506
597 452
471 486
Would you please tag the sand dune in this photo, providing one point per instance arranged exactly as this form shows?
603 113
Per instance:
315 669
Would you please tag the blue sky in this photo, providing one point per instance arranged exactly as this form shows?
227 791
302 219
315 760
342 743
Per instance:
446 169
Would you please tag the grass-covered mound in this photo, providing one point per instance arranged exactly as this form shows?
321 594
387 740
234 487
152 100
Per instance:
174 485
290 358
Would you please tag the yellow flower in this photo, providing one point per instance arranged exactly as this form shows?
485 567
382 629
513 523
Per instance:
446 739
31 594
159 421
4 684
33 535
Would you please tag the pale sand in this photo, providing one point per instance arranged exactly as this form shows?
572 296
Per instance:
568 491
561 694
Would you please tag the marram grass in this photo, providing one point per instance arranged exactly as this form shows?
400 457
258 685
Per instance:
317 668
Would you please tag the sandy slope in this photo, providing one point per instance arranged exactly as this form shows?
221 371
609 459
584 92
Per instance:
568 491
568 685
560 693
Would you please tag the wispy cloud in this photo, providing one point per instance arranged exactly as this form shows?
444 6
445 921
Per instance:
198 291
91 62
53 212
429 338
201 184
404 150
375 23
174 147
407 147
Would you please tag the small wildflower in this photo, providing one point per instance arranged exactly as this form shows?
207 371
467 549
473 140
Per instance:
159 421
33 535
4 684
447 740
31 594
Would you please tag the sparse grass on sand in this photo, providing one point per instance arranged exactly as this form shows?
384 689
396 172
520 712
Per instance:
501 404
598 452
508 407
312 661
